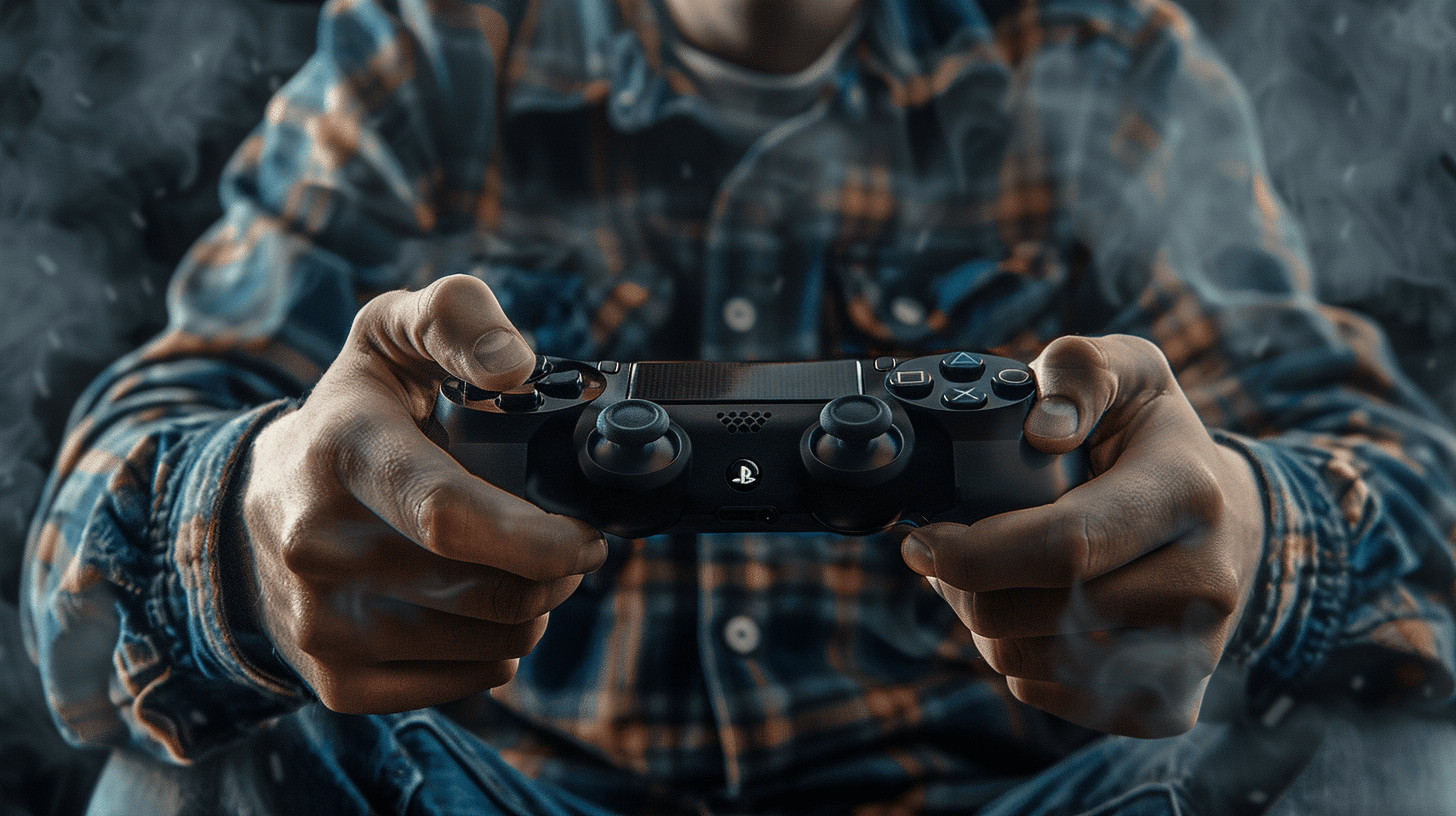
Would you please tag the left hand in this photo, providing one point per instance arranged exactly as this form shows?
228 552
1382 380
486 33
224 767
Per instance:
1112 606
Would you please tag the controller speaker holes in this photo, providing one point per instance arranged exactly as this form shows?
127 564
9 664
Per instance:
743 421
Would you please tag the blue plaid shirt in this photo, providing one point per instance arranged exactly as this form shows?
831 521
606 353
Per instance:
974 175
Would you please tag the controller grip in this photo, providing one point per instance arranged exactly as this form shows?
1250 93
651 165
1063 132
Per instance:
1000 475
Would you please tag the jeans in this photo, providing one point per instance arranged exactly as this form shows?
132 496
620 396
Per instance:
1315 761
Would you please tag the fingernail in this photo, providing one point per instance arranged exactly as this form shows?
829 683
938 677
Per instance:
1054 418
917 556
502 350
591 556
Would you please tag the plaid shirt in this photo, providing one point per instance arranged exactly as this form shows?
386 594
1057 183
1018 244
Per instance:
981 176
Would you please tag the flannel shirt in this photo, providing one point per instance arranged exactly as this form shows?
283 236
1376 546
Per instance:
974 175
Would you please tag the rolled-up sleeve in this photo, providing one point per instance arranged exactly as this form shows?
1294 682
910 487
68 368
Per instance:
135 581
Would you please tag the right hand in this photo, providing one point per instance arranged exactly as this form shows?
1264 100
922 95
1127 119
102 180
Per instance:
386 575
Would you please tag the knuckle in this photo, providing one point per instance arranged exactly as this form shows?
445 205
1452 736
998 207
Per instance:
1073 546
296 551
1004 656
497 673
1075 352
1202 494
521 601
520 639
991 614
372 319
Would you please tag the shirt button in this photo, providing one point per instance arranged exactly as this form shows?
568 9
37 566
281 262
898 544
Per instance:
742 634
739 314
908 311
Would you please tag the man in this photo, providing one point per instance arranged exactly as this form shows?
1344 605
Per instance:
1075 184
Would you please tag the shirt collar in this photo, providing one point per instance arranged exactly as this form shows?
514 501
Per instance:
572 54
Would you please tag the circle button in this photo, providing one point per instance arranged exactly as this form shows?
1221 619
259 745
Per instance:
1013 383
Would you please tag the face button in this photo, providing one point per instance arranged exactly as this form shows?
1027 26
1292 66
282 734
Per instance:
964 399
543 368
910 383
743 475
884 363
1013 383
609 366
962 367
519 402
566 385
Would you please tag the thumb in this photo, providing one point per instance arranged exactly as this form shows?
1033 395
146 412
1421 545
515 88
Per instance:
1075 385
454 326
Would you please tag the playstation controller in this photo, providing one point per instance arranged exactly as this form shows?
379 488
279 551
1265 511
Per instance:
845 446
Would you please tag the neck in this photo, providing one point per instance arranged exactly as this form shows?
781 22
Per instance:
771 36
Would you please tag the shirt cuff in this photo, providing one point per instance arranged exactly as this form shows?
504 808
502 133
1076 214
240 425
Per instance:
1294 615
239 680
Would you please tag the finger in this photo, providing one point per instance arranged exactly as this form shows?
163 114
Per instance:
1080 379
455 325
1109 659
407 685
1166 588
1144 710
376 558
1152 495
385 462
356 629
482 593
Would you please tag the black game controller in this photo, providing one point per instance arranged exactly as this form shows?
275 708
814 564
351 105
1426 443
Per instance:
846 446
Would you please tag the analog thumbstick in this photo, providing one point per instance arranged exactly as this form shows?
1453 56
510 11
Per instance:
856 420
635 447
632 423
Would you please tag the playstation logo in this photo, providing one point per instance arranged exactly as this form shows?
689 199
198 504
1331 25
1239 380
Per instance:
743 475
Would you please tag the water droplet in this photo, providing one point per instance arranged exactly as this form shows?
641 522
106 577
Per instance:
147 288
1352 106
1357 682
138 219
686 171
46 265
1350 174
54 338
1448 115
83 100
274 83
42 385
110 292
1258 797
197 60
922 240
1342 24
275 767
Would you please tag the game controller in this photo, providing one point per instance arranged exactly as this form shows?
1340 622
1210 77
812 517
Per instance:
846 446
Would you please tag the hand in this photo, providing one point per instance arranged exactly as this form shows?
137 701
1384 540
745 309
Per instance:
1112 606
387 576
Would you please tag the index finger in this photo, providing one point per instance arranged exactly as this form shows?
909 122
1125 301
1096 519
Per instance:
385 461
1109 521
